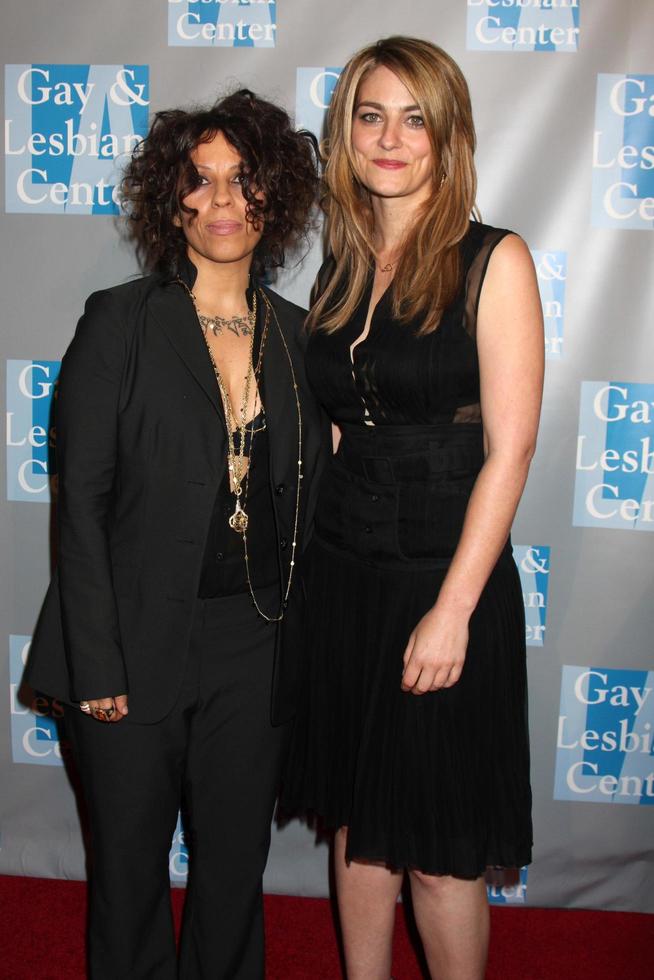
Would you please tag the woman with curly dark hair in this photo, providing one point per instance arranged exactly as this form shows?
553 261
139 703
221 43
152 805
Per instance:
187 447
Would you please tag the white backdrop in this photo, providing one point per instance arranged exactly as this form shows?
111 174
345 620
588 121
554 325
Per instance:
563 93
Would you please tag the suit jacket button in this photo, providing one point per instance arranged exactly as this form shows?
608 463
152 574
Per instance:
219 556
279 489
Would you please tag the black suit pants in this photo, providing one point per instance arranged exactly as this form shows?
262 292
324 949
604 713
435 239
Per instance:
219 752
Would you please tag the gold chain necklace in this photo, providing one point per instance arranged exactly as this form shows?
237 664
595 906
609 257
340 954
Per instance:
239 519
270 309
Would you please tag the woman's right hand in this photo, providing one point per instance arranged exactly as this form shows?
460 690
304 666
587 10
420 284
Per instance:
107 710
436 651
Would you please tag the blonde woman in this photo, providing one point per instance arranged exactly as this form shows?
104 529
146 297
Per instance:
426 349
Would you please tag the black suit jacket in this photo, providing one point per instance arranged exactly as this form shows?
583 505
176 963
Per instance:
141 451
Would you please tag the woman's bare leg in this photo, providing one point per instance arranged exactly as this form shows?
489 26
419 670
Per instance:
453 922
367 895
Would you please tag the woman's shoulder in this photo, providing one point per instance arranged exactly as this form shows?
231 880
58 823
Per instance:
285 307
111 314
480 235
480 243
325 273
482 240
127 294
290 317
121 304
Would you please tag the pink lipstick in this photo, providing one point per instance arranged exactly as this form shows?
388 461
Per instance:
390 164
223 227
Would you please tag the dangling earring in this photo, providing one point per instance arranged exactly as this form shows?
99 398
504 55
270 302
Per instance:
443 176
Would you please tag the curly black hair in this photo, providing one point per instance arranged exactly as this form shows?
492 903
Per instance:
279 169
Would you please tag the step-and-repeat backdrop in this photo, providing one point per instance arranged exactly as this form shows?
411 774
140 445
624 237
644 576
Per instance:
563 92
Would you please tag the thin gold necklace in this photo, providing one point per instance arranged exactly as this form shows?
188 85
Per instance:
270 309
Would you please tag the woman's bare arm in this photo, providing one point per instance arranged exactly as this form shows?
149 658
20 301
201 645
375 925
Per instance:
511 354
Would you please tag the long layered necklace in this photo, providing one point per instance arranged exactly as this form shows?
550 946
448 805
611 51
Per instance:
239 470
236 459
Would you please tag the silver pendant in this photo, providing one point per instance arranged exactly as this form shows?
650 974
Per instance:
239 519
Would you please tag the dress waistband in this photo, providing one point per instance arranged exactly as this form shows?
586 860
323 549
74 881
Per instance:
411 453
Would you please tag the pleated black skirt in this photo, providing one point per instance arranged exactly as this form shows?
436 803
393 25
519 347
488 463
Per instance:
437 782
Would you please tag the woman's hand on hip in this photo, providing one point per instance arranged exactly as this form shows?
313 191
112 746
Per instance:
106 710
436 651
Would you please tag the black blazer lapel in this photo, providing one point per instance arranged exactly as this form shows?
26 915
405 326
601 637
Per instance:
173 309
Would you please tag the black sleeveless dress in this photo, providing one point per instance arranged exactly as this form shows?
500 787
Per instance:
437 782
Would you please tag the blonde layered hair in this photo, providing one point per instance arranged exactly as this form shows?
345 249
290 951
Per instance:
428 274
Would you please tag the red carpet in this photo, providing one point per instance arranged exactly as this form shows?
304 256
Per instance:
43 921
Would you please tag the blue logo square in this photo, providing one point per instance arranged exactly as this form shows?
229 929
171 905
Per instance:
222 23
313 94
30 435
552 273
69 129
523 25
604 747
623 152
614 485
533 561
34 736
